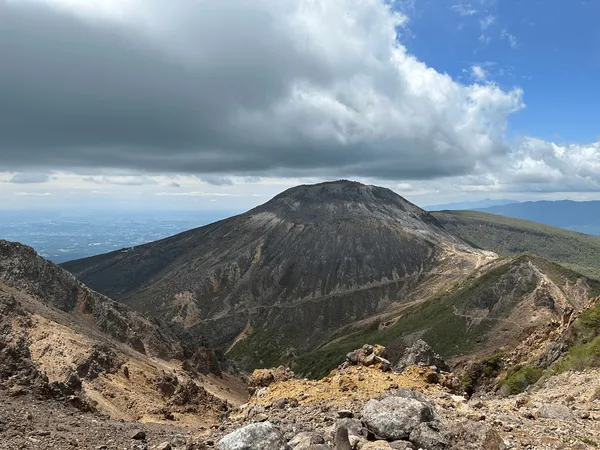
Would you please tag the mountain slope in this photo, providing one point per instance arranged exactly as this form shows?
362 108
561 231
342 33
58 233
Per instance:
498 306
508 236
65 340
311 259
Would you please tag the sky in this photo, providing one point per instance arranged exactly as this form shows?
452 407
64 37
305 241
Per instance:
212 105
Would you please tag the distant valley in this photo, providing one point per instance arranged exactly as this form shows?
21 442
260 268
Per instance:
62 237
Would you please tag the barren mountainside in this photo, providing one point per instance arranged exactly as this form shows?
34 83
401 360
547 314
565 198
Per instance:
313 258
62 341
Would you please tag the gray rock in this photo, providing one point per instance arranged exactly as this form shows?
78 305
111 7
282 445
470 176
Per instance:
306 441
402 445
420 354
556 412
471 435
257 436
164 446
341 441
425 437
396 415
354 426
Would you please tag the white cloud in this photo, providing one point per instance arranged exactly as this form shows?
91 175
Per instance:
327 89
127 180
511 38
195 194
487 21
478 73
464 10
300 89
34 194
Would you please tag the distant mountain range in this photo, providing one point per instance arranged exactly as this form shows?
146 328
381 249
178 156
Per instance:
577 216
583 217
485 203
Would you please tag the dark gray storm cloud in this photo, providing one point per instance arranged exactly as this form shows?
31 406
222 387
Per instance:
247 88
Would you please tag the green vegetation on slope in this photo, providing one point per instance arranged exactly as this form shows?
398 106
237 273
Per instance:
508 236
440 319
584 341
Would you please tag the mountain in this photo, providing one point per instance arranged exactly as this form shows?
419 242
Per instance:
508 236
478 204
66 342
283 275
577 216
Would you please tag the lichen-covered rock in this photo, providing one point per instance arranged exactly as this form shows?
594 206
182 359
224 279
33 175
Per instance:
395 416
257 436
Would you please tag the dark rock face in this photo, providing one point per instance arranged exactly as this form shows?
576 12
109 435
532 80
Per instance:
313 258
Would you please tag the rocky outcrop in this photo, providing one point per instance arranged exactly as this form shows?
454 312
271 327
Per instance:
420 354
19 374
369 355
262 378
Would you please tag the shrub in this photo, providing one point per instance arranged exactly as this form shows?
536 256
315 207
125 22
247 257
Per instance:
520 378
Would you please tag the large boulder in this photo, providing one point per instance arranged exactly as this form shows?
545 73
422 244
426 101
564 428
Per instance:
420 354
394 416
257 436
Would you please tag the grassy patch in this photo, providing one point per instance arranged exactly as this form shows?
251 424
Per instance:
520 378
580 357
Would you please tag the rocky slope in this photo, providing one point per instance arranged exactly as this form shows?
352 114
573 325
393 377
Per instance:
308 261
365 407
61 341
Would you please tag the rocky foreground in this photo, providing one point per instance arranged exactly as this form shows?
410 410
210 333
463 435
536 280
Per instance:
364 404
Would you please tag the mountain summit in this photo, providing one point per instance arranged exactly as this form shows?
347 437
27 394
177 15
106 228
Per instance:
312 259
